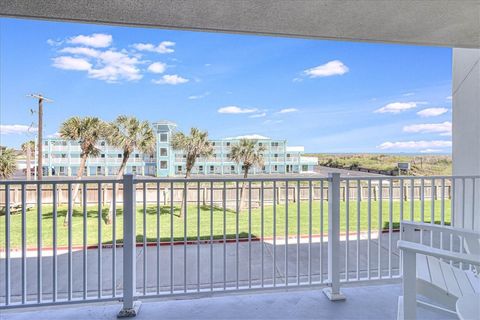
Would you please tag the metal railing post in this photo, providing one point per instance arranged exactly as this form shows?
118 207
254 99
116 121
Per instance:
130 306
333 291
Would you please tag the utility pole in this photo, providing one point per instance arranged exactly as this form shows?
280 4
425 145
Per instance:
40 132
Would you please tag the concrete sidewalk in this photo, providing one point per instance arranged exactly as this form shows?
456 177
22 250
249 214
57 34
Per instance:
195 265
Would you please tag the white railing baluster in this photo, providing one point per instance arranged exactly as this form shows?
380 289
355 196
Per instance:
24 243
144 238
262 231
224 200
7 245
198 236
185 219
310 200
369 233
39 243
99 239
286 233
158 237
249 234
54 243
298 232
359 195
347 227
114 240
70 231
274 269
171 235
211 236
85 241
380 222
321 231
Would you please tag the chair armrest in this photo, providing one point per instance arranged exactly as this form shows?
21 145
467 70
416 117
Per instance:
438 253
441 228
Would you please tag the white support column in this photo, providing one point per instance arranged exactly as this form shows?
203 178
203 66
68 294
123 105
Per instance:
333 291
466 135
130 306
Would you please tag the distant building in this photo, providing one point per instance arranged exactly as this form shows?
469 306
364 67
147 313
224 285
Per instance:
62 157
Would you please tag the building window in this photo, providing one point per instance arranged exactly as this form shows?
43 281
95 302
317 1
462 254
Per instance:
212 168
228 155
260 144
275 168
163 165
274 144
232 168
119 155
288 155
304 167
213 144
46 143
134 169
102 155
275 155
102 143
163 137
179 168
228 144
137 155
163 152
64 155
200 168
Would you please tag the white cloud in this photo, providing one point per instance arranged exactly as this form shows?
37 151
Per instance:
270 121
416 144
200 96
432 112
236 110
444 128
397 107
430 151
449 98
89 52
70 63
96 40
116 66
408 94
288 110
332 68
157 67
162 47
172 79
258 115
16 129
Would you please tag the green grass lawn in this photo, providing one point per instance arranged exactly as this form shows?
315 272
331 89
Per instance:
205 216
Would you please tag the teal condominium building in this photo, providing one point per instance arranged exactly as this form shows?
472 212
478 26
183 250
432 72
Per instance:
62 157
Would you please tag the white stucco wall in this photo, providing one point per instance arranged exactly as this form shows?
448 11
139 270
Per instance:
466 134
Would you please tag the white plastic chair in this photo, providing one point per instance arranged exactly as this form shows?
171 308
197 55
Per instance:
440 275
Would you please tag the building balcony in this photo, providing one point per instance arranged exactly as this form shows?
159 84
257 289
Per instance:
287 234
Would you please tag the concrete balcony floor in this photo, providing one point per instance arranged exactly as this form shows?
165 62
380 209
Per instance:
363 302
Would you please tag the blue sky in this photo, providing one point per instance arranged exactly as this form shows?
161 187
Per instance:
326 95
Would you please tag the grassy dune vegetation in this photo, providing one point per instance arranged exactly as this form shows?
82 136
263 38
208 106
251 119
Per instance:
422 165
206 213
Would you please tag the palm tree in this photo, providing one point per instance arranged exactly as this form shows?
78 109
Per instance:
28 148
8 162
194 146
87 132
249 155
129 134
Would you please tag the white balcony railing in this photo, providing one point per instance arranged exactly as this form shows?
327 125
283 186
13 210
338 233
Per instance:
286 232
